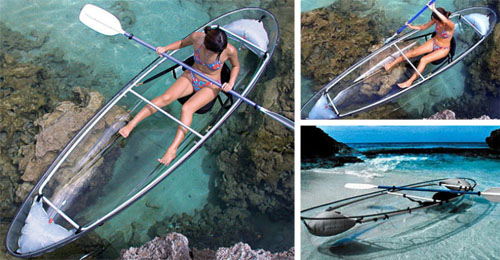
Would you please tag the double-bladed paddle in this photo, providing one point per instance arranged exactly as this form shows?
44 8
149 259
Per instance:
491 194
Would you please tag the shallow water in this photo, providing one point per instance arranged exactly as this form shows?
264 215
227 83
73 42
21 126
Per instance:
427 99
159 23
445 236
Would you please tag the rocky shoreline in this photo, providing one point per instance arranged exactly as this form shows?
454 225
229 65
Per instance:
321 151
318 150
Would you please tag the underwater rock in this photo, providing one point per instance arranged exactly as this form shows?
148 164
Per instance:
244 251
335 37
6 197
57 128
32 83
210 227
22 191
469 106
493 140
15 41
174 246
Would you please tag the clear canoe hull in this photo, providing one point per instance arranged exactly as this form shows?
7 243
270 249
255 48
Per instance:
366 84
386 220
99 173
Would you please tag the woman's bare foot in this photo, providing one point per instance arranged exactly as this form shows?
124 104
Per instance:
388 66
168 157
405 84
125 131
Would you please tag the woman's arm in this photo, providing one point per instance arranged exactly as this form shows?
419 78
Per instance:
233 58
179 44
422 26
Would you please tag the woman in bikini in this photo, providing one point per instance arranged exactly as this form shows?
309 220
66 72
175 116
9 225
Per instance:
437 47
211 50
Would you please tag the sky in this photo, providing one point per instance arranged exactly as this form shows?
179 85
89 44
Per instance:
404 134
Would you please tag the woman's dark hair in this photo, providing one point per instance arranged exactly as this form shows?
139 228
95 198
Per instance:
215 39
442 11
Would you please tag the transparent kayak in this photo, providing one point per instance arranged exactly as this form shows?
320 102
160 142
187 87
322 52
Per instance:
348 223
366 84
99 173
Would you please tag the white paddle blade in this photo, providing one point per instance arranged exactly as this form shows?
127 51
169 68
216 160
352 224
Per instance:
492 194
360 186
100 20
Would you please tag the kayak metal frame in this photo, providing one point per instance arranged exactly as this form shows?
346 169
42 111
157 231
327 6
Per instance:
390 44
360 219
264 59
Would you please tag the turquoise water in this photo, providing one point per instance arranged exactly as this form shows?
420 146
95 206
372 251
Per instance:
472 233
159 23
427 99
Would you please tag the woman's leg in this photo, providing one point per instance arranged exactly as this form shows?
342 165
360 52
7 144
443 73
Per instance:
194 103
422 49
435 55
181 87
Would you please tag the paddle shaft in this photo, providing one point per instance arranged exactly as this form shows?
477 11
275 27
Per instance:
409 21
288 123
431 190
415 17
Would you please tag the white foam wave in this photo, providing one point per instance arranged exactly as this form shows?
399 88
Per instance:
385 164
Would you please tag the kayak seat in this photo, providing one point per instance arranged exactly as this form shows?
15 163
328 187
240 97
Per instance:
225 74
444 196
416 60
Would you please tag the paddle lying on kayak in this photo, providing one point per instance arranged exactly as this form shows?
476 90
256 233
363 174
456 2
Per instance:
491 194
106 23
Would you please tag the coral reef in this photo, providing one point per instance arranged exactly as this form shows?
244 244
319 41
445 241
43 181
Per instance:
493 140
176 246
335 37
